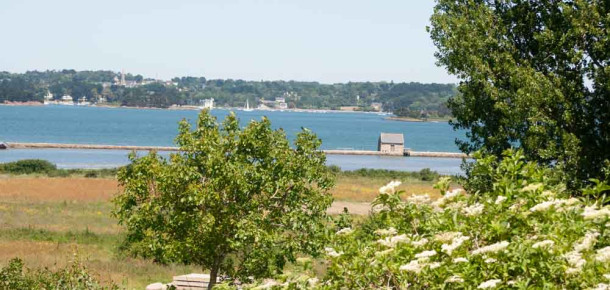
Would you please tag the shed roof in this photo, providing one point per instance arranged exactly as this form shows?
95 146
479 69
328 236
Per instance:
391 138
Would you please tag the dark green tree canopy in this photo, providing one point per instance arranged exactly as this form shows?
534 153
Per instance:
236 201
534 74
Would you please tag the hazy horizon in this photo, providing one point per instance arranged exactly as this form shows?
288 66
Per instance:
312 41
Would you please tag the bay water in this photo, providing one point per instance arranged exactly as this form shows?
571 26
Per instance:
153 127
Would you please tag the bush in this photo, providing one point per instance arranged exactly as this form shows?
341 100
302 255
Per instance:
525 232
425 174
16 277
28 166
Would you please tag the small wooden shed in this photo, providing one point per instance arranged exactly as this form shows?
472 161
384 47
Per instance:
391 143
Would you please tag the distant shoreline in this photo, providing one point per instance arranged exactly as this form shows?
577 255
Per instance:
192 108
407 119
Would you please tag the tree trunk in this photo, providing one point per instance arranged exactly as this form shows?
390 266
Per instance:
213 276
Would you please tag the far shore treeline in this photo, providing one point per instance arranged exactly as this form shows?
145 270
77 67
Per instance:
404 99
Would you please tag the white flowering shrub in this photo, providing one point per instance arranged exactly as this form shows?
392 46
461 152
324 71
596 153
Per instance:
526 233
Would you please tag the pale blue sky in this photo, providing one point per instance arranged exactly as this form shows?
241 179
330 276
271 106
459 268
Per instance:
310 40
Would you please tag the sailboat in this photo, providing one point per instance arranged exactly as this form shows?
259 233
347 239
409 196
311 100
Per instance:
247 108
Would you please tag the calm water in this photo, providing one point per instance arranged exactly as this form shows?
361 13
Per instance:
123 126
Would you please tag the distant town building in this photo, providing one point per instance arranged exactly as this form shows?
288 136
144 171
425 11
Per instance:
208 104
66 100
391 143
280 100
376 106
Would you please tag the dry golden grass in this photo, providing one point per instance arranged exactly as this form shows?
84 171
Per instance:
362 189
57 189
45 221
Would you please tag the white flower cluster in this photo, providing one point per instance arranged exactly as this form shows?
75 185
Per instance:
332 253
460 260
420 243
448 197
587 242
389 188
473 210
493 248
489 284
553 203
419 199
345 231
591 213
500 199
386 232
454 279
426 254
603 254
456 242
532 187
546 244
391 242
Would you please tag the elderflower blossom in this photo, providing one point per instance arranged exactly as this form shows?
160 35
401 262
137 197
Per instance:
389 188
454 279
532 187
460 260
345 231
489 284
607 276
575 260
426 254
546 244
456 243
434 265
419 199
493 248
500 199
603 254
312 282
446 236
556 203
420 243
601 286
490 260
473 210
392 241
591 213
413 266
331 252
386 232
449 195
384 252
587 242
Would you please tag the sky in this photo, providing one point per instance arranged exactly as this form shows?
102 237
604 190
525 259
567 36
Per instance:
328 41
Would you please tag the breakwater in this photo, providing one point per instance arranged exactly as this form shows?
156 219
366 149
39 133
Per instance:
409 153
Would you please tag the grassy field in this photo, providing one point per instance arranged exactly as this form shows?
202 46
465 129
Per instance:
47 221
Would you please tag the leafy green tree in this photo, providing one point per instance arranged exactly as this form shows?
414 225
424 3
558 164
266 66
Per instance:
534 75
239 202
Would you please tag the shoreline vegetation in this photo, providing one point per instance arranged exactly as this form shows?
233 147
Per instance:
66 87
416 120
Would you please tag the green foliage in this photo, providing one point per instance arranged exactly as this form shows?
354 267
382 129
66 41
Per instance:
534 74
15 276
43 167
28 166
425 174
236 201
525 233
